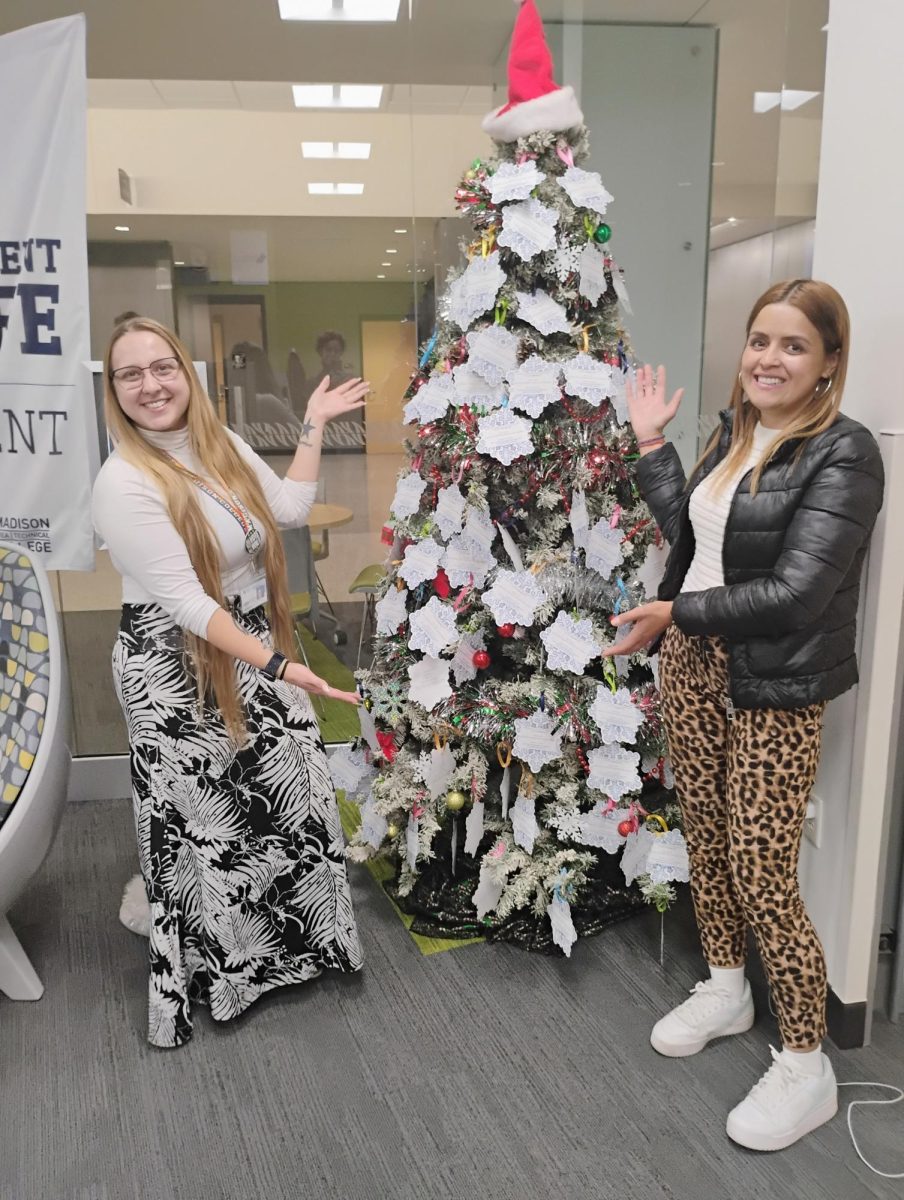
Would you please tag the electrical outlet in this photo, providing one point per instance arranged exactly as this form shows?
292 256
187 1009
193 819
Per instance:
813 822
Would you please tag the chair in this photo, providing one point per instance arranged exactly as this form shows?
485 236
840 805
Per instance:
367 584
34 757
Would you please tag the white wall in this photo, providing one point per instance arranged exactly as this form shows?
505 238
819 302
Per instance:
860 249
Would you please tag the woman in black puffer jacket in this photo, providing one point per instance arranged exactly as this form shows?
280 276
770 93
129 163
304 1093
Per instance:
758 607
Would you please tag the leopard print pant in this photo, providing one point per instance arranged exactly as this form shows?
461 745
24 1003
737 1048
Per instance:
743 782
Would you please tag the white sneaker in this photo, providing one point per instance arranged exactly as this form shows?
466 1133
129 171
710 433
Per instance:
134 911
711 1012
783 1106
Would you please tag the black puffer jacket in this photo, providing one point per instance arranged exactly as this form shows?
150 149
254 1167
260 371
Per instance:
792 558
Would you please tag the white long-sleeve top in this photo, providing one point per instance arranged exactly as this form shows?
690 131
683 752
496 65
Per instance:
130 515
708 510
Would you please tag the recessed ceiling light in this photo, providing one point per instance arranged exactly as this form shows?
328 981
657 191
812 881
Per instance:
121 228
386 264
179 262
339 10
392 251
400 231
349 189
335 149
335 189
732 220
381 277
337 95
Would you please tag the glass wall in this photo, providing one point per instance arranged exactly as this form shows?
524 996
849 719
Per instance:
279 260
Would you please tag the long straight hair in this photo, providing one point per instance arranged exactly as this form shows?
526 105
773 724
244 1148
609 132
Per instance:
827 313
215 451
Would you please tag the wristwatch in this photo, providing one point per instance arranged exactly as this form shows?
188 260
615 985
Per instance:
276 667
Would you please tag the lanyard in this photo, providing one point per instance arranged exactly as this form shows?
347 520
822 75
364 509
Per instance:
253 539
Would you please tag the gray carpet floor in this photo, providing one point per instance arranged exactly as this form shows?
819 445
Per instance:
478 1072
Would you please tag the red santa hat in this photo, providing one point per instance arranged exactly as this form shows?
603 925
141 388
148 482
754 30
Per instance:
536 102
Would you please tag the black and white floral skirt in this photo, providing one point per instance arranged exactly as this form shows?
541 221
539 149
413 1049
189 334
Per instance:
241 848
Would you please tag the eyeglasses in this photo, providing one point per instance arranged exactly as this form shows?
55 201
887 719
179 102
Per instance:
164 370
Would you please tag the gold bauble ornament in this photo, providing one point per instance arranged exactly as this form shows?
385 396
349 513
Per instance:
392 830
455 801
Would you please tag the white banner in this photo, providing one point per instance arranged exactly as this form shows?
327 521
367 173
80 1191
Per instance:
48 434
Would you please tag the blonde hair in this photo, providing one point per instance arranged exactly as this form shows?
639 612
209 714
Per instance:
214 669
827 313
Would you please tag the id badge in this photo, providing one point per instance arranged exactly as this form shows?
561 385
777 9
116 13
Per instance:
254 595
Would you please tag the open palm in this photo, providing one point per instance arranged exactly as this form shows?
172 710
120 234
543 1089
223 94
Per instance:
648 406
326 402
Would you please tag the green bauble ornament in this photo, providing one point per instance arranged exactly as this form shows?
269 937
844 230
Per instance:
603 233
455 801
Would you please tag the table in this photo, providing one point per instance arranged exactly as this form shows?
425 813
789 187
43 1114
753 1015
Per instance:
323 516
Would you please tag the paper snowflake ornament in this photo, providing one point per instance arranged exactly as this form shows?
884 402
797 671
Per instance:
667 860
614 771
466 563
476 289
564 933
479 530
392 611
431 400
436 769
592 273
580 519
514 597
537 742
488 892
421 561
349 771
463 663
470 387
429 682
616 715
373 825
604 548
514 182
504 436
433 628
534 386
566 260
524 822
474 828
528 228
570 644
450 510
622 661
585 190
651 572
407 499
599 827
492 353
545 314
619 397
588 378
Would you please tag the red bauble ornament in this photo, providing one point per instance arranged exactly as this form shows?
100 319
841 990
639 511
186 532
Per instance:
481 660
387 745
625 827
441 584
507 630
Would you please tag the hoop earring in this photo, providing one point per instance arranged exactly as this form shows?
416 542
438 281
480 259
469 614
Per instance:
827 382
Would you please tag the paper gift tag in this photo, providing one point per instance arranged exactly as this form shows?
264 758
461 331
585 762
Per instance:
463 663
475 290
592 267
616 715
391 611
450 510
492 353
433 627
431 400
369 729
511 547
524 822
622 661
600 828
570 644
614 771
479 530
488 892
604 548
466 563
563 931
349 769
580 521
474 828
470 387
421 561
636 854
514 597
373 825
514 182
412 841
621 289
585 190
437 768
408 494
505 436
534 386
545 314
667 860
505 790
536 740
429 682
588 378
650 574
528 228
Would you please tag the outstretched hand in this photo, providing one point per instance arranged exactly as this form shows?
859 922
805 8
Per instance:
326 402
304 678
648 408
649 621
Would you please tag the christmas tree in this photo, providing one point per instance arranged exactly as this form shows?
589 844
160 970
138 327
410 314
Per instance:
513 771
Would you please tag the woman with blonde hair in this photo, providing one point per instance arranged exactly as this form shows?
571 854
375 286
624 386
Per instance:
239 839
758 607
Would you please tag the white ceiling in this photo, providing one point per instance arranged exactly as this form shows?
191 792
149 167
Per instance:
197 92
